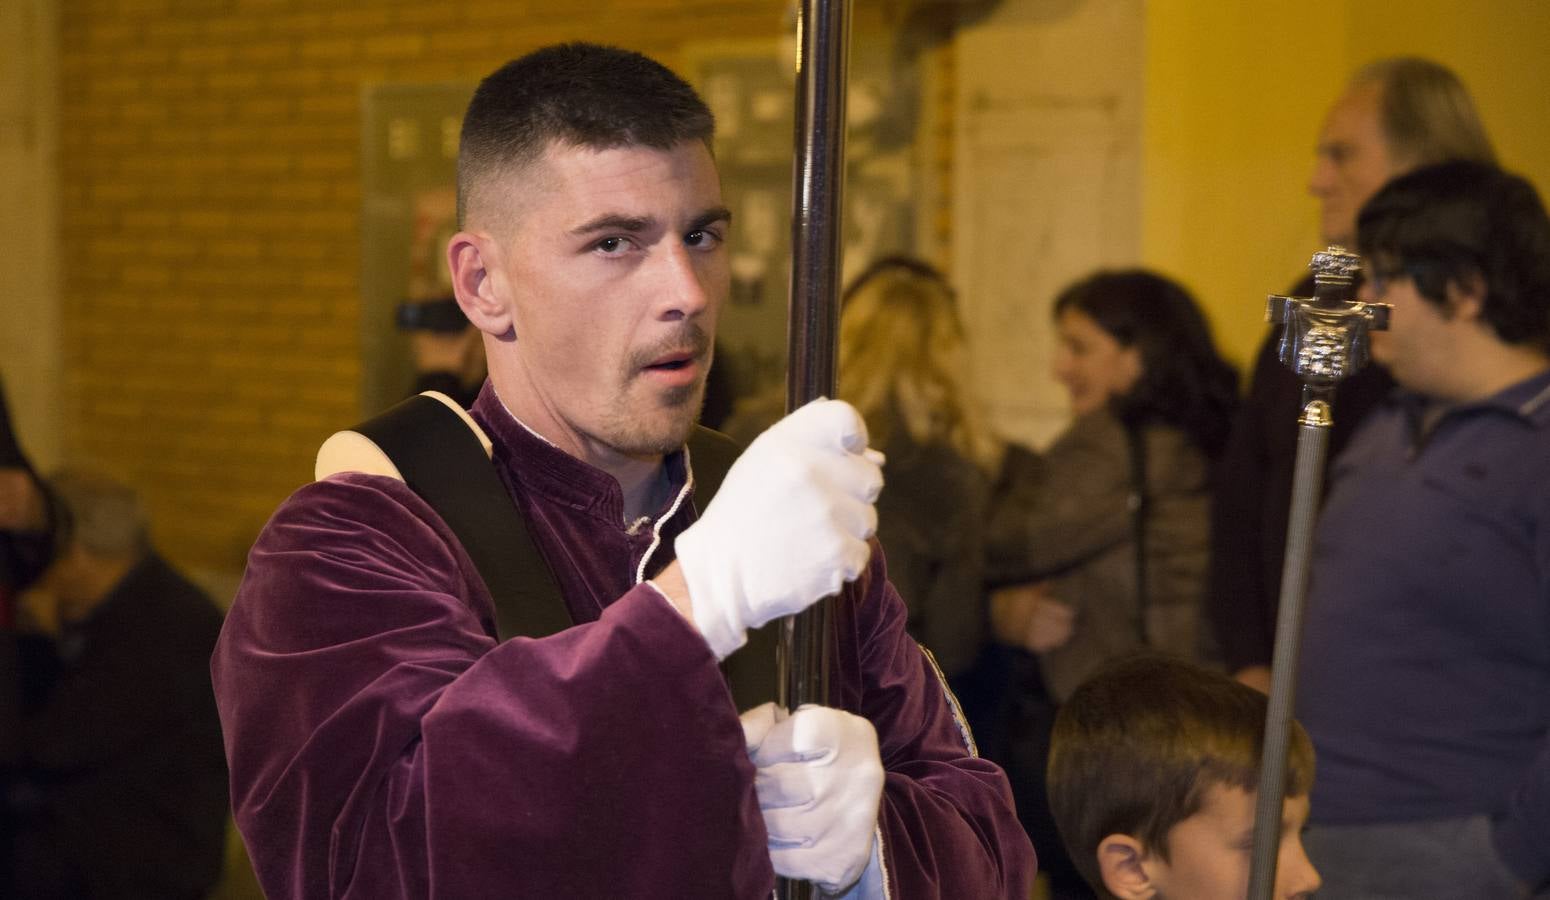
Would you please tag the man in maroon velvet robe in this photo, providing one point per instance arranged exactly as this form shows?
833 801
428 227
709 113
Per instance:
382 743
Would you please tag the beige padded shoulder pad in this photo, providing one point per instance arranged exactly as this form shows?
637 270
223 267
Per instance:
351 451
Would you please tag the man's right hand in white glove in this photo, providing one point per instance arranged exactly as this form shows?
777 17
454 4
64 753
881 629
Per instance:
788 526
820 782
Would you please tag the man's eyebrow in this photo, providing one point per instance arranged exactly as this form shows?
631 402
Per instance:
638 224
615 222
719 214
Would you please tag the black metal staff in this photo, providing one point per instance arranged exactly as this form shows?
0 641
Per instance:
1325 340
823 47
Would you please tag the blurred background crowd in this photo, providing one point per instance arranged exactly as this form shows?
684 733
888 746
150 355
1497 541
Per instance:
1064 218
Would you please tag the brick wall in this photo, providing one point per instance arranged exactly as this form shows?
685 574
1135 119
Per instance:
210 195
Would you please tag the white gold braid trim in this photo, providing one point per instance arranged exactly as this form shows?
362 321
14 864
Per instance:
882 864
656 528
952 702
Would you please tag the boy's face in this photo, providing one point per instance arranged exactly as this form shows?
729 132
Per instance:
1208 853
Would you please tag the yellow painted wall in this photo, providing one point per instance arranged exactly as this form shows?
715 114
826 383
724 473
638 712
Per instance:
1235 95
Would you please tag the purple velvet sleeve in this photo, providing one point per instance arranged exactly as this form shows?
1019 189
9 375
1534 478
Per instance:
381 745
948 824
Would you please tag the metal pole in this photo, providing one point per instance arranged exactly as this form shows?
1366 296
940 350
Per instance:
1324 341
1308 479
823 48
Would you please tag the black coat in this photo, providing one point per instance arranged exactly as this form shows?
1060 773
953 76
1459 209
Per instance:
119 785
1254 496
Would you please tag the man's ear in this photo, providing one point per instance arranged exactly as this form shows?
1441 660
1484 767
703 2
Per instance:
1466 296
473 261
1122 864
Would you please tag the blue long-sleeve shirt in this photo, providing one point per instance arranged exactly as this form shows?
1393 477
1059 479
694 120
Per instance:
1425 673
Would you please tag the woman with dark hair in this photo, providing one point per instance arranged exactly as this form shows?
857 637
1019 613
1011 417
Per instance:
1099 546
1103 539
1181 380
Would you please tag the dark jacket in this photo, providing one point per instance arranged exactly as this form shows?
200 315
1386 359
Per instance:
22 559
1254 497
120 789
931 524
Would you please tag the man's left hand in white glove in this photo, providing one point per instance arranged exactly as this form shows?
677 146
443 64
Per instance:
819 780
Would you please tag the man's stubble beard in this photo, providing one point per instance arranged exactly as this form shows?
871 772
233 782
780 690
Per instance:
677 412
633 434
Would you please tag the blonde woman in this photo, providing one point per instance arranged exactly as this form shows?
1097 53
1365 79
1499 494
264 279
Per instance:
903 365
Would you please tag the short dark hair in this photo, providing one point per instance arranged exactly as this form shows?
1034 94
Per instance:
1183 379
585 95
1458 221
1138 745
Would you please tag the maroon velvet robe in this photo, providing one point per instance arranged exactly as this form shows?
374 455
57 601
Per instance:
382 744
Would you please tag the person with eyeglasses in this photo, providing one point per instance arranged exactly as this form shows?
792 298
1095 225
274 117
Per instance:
1425 678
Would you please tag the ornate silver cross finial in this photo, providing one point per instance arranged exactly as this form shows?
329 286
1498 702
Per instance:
1325 338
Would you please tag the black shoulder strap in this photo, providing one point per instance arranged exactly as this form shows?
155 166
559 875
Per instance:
443 461
711 453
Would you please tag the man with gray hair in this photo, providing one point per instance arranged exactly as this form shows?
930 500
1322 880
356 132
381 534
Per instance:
1396 115
119 789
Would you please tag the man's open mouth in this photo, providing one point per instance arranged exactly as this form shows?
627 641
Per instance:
672 363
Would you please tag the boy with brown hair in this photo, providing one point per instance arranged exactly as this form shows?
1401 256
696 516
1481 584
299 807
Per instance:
1152 772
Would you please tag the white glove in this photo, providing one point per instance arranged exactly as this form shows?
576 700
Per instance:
788 526
819 781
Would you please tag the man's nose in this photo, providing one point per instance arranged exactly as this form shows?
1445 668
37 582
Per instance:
1322 179
683 293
